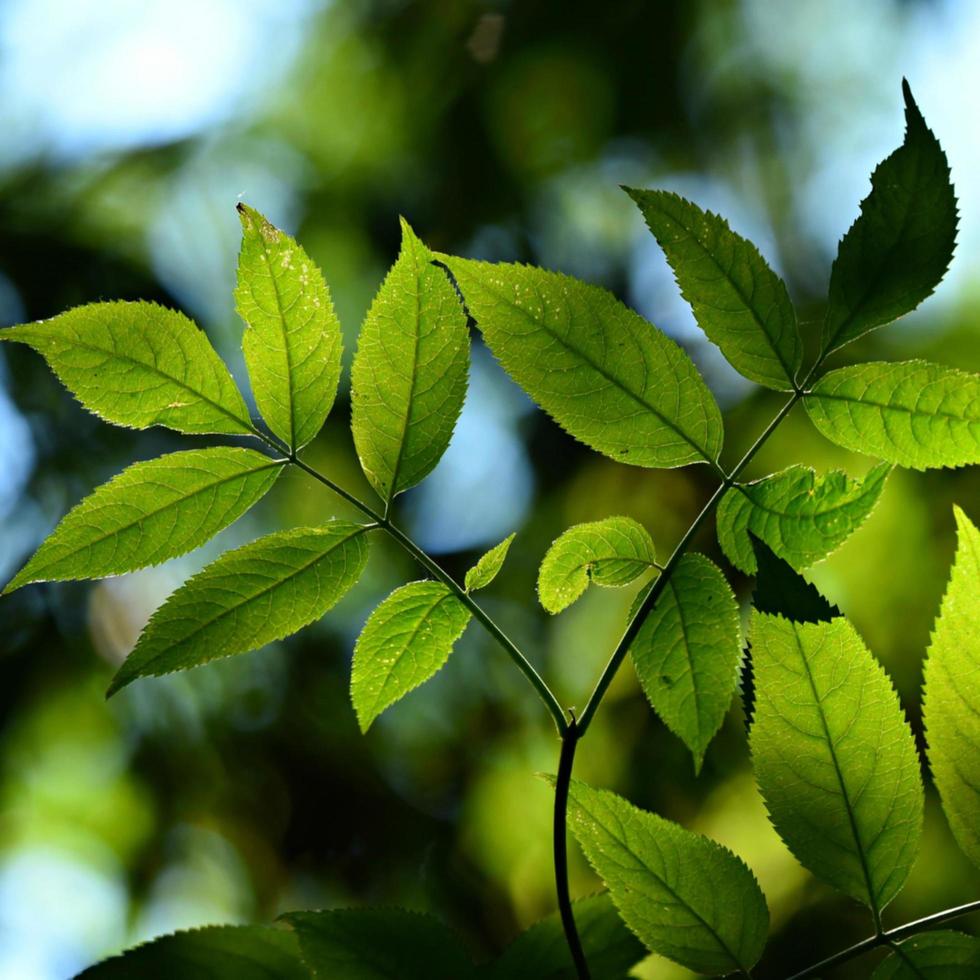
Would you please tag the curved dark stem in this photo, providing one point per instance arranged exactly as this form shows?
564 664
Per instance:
569 741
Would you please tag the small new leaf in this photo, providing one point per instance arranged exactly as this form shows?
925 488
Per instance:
951 708
941 955
248 597
801 516
897 251
408 381
150 512
912 413
292 340
686 897
612 552
256 952
487 568
404 642
834 756
603 373
137 365
738 301
688 650
379 944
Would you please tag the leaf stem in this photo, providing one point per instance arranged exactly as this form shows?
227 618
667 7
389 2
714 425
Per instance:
887 938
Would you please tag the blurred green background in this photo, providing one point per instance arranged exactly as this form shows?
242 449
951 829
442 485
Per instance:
501 130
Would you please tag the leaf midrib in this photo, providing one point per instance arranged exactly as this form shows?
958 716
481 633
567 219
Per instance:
882 407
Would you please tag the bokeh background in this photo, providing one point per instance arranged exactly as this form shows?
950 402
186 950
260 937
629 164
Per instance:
501 130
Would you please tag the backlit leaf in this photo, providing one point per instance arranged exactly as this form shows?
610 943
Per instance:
834 756
487 568
248 597
941 955
951 700
409 376
152 511
292 339
738 301
606 375
137 365
404 642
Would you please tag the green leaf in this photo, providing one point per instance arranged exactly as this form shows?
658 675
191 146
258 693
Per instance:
292 340
245 952
248 597
688 651
780 590
137 365
404 642
379 944
409 375
606 375
897 251
944 955
834 756
738 301
686 897
912 413
951 699
487 568
801 516
612 552
150 512
541 953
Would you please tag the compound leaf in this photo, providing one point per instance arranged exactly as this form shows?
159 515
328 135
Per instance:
409 376
912 413
834 756
688 651
951 708
137 365
150 512
248 597
942 955
738 301
801 516
245 952
379 944
899 248
606 375
404 642
685 896
292 340
612 552
487 568
541 952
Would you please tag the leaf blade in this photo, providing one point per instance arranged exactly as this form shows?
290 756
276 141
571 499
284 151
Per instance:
912 413
248 597
137 365
941 955
151 512
606 375
738 301
292 340
489 565
408 380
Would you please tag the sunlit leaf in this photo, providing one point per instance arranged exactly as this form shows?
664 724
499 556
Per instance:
834 756
951 694
292 340
606 375
688 650
685 896
803 517
248 597
409 376
150 512
612 552
489 565
137 365
897 251
738 301
912 413
942 955
404 642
